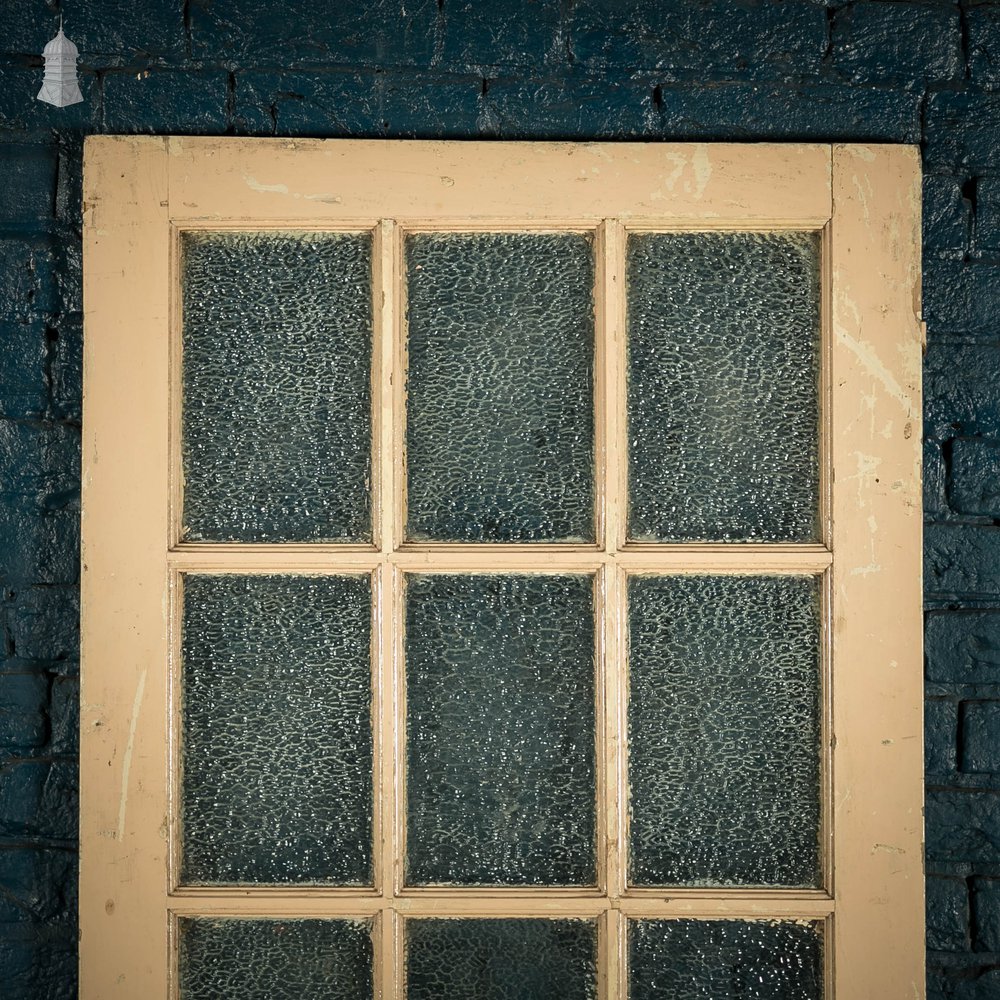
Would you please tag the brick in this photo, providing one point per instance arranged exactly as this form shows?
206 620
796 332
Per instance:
40 462
110 33
27 35
44 623
503 34
23 710
963 647
307 103
66 371
962 298
35 885
39 962
980 752
20 111
945 217
27 279
259 34
29 177
189 103
65 716
39 799
961 129
940 735
947 901
974 487
23 387
988 215
718 38
420 105
986 914
908 42
963 826
961 391
821 112
982 25
39 546
935 482
570 108
962 562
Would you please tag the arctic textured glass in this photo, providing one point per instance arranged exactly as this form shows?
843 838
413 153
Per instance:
724 730
277 742
500 422
275 959
724 960
500 730
501 960
723 374
277 399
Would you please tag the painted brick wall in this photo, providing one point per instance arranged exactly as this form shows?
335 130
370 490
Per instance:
914 72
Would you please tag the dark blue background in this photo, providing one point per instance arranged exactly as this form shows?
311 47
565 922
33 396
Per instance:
907 72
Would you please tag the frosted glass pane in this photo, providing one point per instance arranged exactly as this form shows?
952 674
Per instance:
723 370
500 730
275 959
501 960
277 742
500 422
277 398
724 730
725 960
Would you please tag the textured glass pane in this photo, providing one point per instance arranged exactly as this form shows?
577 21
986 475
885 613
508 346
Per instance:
501 960
724 960
724 731
723 369
500 730
275 959
500 422
277 404
277 742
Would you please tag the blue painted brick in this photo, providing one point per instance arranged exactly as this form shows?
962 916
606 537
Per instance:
974 487
980 751
715 39
44 623
39 961
23 710
110 33
962 562
962 298
940 735
945 217
961 391
40 462
988 216
962 826
19 109
255 34
907 42
189 103
66 369
419 105
39 798
308 103
935 482
570 108
947 903
34 884
27 278
986 914
982 24
499 35
29 178
64 715
963 647
39 546
23 387
961 130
